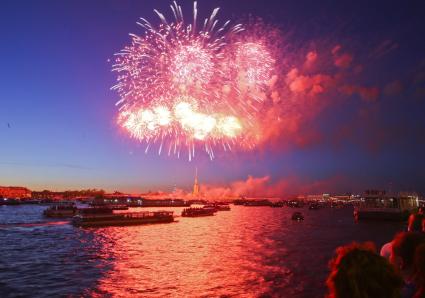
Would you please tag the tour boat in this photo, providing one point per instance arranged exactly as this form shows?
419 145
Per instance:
378 205
222 207
218 207
62 210
96 217
111 206
195 212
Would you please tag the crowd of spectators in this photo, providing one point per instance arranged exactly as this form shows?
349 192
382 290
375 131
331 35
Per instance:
358 271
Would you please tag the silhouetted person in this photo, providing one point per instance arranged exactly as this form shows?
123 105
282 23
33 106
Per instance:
408 257
414 224
357 271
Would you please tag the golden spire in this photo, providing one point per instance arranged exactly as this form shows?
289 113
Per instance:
196 185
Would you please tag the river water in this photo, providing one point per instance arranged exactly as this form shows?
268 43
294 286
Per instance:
245 252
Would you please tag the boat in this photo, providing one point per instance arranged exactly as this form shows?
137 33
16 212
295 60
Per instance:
257 203
294 204
277 204
100 217
377 204
62 210
222 207
218 207
9 201
110 206
297 216
195 212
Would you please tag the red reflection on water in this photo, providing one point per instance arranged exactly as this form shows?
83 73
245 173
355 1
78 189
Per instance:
204 256
41 224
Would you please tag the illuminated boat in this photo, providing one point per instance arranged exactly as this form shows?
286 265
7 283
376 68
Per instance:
98 217
195 212
222 207
110 206
67 209
218 207
375 204
297 216
294 204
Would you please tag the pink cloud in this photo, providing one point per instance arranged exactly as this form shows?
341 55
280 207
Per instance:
369 93
336 49
343 61
366 93
251 187
300 92
308 84
310 59
262 187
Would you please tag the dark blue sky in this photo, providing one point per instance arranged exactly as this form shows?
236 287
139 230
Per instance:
55 96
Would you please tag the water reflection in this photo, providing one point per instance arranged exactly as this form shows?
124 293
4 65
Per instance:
207 256
246 252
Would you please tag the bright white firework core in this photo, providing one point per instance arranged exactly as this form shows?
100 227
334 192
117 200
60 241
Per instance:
143 122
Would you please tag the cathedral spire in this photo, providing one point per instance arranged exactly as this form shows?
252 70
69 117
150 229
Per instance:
196 185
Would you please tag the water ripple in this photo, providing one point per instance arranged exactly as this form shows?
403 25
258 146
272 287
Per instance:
247 252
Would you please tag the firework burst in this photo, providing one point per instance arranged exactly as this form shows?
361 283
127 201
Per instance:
182 85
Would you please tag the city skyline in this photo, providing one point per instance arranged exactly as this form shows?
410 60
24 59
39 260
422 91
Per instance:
355 79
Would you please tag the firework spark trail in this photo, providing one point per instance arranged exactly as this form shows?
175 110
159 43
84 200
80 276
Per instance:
180 87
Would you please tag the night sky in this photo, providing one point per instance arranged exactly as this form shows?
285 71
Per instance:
364 129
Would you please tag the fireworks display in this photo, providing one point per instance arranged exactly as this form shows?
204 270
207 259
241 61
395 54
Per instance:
185 85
